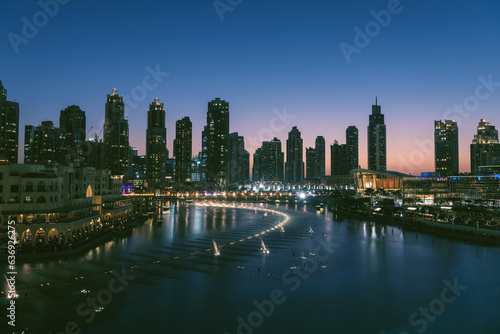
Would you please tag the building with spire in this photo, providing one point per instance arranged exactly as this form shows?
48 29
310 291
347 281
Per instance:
156 145
116 135
377 145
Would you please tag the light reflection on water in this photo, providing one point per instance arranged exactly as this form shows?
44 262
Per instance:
376 268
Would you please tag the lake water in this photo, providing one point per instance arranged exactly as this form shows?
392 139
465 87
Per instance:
321 275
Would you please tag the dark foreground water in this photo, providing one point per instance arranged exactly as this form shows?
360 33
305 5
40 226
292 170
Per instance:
322 275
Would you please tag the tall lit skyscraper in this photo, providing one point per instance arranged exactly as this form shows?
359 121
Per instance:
339 159
352 147
294 166
485 147
9 128
217 142
156 145
377 151
48 146
183 150
319 151
446 147
72 120
29 136
311 164
268 162
239 160
116 135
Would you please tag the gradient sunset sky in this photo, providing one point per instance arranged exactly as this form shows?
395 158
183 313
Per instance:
264 57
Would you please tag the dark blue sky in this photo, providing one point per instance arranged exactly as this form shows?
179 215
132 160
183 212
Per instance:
264 56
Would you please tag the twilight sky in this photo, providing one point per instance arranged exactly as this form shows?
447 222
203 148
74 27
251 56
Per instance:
267 58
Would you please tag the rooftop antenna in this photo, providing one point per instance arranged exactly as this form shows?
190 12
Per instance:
376 101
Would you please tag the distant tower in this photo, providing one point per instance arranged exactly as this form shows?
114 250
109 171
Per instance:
485 147
9 128
29 136
294 166
446 147
48 145
217 142
377 156
116 135
319 151
352 148
183 150
268 162
156 145
72 120
239 159
311 163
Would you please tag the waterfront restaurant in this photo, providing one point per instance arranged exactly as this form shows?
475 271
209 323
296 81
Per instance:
55 205
389 182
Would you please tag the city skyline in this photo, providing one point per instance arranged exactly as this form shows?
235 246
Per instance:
419 75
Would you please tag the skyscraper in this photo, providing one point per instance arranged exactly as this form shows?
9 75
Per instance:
446 147
156 144
183 150
29 136
377 156
485 147
239 160
319 151
48 146
294 166
116 135
9 128
311 164
339 159
352 148
268 162
72 120
217 142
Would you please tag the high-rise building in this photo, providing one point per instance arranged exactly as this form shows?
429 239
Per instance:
183 149
485 147
377 154
352 144
9 128
156 144
73 121
116 135
239 160
446 147
294 166
319 151
93 153
339 159
29 136
48 145
268 162
311 163
217 142
203 154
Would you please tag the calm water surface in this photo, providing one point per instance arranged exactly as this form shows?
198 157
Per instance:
325 275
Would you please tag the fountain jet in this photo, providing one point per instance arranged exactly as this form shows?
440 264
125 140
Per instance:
264 249
216 249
